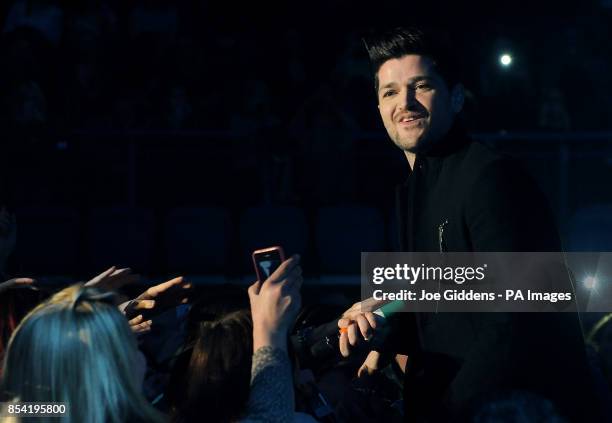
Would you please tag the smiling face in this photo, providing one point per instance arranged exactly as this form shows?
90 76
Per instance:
415 103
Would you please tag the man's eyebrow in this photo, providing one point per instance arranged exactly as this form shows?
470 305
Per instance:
389 85
420 78
411 81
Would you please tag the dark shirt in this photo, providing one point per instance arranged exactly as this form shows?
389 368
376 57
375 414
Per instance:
487 203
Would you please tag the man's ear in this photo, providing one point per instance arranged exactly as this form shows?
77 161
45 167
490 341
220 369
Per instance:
457 97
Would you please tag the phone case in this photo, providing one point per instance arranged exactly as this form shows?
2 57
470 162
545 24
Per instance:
281 253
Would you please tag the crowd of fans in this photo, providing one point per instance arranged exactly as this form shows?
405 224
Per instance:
173 353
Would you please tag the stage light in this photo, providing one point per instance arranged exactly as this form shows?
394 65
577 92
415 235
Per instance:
505 60
590 282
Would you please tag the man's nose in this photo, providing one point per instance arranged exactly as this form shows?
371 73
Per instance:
409 100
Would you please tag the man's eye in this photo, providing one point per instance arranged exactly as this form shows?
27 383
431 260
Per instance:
388 93
424 87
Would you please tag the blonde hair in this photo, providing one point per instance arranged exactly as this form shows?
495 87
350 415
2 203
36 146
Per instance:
77 348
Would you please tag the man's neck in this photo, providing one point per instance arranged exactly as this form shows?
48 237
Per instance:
410 157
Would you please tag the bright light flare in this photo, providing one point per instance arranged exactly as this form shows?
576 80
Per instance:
505 59
590 282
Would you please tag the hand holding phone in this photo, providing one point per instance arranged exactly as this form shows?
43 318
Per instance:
275 298
267 260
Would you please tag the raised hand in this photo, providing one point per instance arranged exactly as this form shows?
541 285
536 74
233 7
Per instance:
275 304
15 282
112 279
159 298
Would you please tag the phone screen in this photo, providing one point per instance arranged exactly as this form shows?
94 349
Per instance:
267 261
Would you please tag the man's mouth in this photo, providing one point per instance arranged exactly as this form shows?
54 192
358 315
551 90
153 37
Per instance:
410 120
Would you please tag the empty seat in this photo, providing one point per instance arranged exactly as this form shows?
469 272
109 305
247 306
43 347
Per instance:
590 229
47 241
197 240
342 233
121 236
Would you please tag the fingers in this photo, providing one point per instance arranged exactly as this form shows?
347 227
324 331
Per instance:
138 326
371 304
348 336
342 323
136 320
371 319
23 281
288 274
101 276
362 323
123 306
284 269
130 309
343 342
254 289
364 327
363 370
158 289
352 331
292 284
144 304
370 364
353 334
365 306
118 272
107 272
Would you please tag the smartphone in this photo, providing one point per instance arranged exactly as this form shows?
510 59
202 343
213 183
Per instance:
267 260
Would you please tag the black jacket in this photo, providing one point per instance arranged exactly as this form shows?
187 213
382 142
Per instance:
485 202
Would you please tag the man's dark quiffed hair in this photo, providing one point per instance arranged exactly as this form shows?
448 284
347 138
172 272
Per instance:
399 42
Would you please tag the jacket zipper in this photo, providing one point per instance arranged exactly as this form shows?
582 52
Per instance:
441 242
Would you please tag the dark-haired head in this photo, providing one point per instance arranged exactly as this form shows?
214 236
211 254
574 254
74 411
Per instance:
402 41
417 88
215 375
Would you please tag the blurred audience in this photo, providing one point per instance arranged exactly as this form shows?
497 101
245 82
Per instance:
45 16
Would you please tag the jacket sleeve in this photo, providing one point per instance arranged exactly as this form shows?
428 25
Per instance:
505 211
271 397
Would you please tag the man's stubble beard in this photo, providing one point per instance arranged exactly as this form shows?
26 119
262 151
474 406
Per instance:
412 147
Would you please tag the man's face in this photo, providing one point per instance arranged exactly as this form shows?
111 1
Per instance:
414 102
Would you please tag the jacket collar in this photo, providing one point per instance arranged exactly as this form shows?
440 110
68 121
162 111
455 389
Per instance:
432 159
455 139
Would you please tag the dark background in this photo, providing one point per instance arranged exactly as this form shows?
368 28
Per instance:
178 136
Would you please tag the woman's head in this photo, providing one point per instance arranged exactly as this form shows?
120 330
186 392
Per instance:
77 348
216 375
